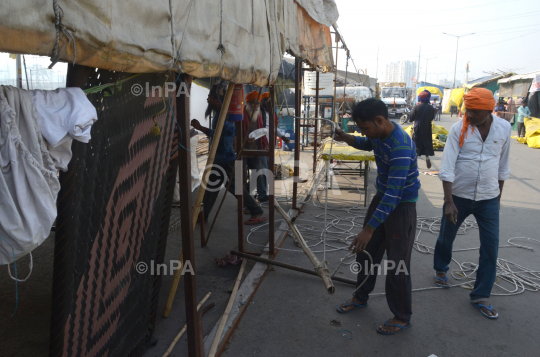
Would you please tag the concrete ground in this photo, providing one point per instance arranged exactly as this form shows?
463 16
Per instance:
293 315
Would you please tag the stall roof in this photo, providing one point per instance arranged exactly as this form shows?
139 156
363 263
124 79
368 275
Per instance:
233 39
486 79
518 77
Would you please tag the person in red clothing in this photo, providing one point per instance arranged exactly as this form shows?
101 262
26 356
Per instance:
253 120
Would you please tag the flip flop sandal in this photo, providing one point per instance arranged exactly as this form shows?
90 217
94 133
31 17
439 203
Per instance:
443 280
347 304
401 328
428 163
490 309
253 221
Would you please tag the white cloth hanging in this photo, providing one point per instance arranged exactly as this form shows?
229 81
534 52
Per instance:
63 114
28 179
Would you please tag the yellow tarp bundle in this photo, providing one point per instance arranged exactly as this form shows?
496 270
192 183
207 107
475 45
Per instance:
432 90
532 133
456 98
436 131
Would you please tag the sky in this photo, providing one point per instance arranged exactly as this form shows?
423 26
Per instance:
506 36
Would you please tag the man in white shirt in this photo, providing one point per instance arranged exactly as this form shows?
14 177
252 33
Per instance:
474 166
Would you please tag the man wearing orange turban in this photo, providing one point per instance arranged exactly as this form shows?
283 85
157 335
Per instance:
253 120
474 166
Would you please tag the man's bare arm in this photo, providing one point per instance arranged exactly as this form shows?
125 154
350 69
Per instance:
501 185
450 210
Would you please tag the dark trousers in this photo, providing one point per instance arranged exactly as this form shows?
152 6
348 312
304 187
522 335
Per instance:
260 165
521 129
220 174
395 236
487 215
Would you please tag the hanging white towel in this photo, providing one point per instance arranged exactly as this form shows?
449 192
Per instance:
63 114
28 179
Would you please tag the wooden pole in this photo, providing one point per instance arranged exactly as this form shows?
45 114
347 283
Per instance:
212 152
195 344
320 269
183 330
200 193
225 316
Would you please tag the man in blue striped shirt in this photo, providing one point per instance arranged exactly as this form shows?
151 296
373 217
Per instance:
390 222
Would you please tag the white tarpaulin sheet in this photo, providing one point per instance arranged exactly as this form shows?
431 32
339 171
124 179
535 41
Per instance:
237 40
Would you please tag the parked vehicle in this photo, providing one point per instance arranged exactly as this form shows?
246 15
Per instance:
394 95
405 117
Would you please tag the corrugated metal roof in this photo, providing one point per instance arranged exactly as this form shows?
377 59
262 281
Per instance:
518 77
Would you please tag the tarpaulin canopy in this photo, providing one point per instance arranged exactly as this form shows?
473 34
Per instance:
432 90
241 41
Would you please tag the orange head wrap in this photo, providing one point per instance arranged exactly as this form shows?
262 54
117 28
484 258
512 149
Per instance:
251 96
476 99
265 95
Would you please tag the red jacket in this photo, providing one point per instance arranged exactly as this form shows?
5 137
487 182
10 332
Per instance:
263 141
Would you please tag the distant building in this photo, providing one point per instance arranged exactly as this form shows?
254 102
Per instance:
402 71
447 83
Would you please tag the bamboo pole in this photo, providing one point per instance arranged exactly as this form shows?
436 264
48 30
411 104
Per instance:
212 153
174 287
200 193
320 269
225 316
183 330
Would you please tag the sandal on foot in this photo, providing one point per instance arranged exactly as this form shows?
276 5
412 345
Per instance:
490 309
347 304
401 328
443 280
428 162
253 221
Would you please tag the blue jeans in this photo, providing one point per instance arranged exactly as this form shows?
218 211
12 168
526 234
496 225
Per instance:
487 215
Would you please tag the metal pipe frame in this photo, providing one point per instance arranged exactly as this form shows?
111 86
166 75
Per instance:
289 266
316 122
297 113
239 190
194 326
271 162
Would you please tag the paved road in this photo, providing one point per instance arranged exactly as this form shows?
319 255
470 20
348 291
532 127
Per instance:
291 313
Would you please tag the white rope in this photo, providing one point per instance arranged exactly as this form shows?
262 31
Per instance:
337 235
174 53
30 267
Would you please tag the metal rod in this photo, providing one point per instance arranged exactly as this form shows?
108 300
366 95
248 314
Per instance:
195 344
297 113
239 190
271 161
248 153
289 266
316 122
335 80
